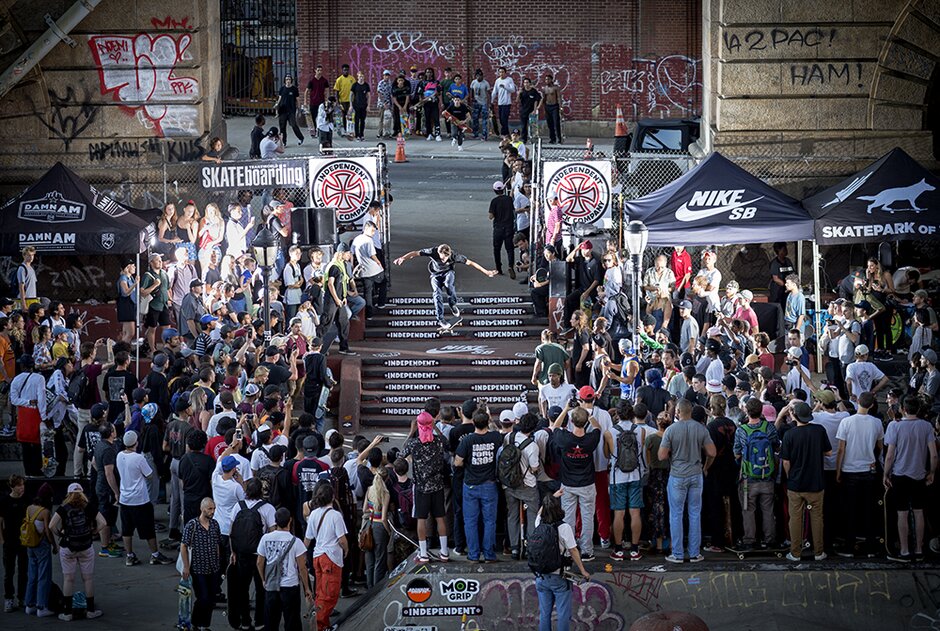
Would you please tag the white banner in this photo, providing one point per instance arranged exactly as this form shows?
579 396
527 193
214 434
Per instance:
348 184
583 188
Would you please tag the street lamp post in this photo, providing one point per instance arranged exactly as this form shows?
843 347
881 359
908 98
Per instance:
636 238
265 247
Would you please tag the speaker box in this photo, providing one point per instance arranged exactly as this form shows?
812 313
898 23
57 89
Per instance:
314 226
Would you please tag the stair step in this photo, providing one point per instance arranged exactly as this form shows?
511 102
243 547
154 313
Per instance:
372 396
453 371
372 365
411 312
477 301
461 332
386 421
405 379
432 323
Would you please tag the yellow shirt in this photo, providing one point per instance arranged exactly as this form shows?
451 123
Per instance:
343 86
61 349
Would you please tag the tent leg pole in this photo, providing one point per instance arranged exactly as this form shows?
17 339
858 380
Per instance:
818 305
137 322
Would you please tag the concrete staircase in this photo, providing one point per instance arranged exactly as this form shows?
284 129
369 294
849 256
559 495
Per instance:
490 355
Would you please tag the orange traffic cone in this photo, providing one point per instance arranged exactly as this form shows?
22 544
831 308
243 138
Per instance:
588 149
400 150
620 128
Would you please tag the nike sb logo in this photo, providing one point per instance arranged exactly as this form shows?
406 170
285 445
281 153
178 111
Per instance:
713 203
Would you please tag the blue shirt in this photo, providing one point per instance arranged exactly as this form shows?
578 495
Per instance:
458 90
795 307
628 390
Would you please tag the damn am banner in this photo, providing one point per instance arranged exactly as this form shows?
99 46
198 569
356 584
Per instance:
347 184
583 188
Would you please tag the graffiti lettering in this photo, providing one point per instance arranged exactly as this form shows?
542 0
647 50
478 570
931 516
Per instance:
121 149
140 73
400 42
643 588
659 84
513 603
63 125
778 39
819 74
170 23
397 51
530 60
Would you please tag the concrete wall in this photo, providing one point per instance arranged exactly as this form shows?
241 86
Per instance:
835 79
643 54
140 83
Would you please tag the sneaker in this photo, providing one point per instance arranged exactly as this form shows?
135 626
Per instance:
300 142
160 559
587 557
421 560
635 555
159 527
437 138
846 553
698 558
8 605
514 554
459 551
605 543
673 559
7 431
822 556
347 352
900 558
91 615
65 617
110 552
512 275
455 311
131 560
31 611
459 147
934 545
430 137
712 549
453 142
617 555
45 613
790 557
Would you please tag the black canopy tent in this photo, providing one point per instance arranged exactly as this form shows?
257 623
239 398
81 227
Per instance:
63 214
718 202
892 199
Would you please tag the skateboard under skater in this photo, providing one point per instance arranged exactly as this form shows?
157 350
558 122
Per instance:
448 327
758 551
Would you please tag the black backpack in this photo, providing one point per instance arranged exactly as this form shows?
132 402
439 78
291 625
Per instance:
342 492
268 478
405 501
508 466
77 529
628 450
544 554
78 387
247 529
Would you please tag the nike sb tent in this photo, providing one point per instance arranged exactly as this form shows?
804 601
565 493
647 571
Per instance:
892 199
719 203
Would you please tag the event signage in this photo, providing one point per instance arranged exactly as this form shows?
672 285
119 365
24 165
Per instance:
52 208
231 176
583 189
347 184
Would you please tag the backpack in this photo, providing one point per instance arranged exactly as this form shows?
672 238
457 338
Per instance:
508 464
405 501
757 461
29 536
247 529
268 478
628 449
77 529
544 554
342 493
13 282
78 387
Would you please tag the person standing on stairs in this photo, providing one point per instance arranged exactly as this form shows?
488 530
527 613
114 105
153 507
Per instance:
503 216
441 269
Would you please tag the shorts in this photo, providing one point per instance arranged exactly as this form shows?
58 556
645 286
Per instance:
626 495
909 494
139 518
429 504
157 318
107 508
83 561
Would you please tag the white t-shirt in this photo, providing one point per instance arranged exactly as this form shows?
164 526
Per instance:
830 422
211 428
227 494
271 546
259 459
556 396
601 461
616 475
530 457
363 249
244 467
265 510
327 537
859 432
134 471
846 345
503 89
566 539
794 382
863 375
714 280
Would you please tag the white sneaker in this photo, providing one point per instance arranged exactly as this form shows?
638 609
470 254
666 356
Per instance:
91 615
605 544
45 613
674 559
822 556
460 148
65 617
790 557
430 137
438 138
453 142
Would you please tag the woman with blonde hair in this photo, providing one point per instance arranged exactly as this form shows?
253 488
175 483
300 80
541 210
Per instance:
76 527
375 516
580 349
187 229
199 414
211 234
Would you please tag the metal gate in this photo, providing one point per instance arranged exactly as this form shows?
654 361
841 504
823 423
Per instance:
259 47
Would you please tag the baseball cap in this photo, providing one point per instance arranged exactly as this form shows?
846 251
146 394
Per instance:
310 443
159 360
803 412
625 345
385 72
556 369
206 319
229 463
342 247
168 333
826 397
265 429
506 417
498 186
713 386
732 284
195 283
921 293
271 351
930 355
686 359
59 330
218 304
514 131
586 245
468 407
862 349
139 394
130 438
586 393
252 389
769 412
753 358
186 352
685 304
520 409
149 412
794 353
98 410
182 404
413 68
277 452
865 305
747 294
75 487
708 253
713 345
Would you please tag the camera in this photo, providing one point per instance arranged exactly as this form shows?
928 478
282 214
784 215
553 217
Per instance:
238 433
790 362
573 402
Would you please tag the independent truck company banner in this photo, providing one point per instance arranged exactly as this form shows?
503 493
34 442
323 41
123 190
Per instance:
347 184
583 189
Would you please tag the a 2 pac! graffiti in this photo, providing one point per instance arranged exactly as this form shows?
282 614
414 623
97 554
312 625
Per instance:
139 71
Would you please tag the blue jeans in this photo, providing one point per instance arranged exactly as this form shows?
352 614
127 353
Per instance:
39 575
503 119
480 113
681 491
442 290
356 304
481 497
553 591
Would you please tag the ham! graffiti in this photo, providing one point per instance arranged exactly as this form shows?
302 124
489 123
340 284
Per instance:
139 72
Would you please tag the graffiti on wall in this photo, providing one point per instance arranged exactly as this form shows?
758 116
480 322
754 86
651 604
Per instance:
656 84
532 60
69 115
396 51
139 72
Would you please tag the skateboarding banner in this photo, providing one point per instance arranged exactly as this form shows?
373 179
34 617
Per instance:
347 184
235 176
583 189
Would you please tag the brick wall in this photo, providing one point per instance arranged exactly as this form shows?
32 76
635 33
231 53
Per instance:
644 55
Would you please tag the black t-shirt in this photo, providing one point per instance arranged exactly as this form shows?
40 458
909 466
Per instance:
157 383
805 447
360 95
777 293
479 457
503 211
655 399
288 104
105 454
436 267
399 94
528 99
722 431
13 510
257 135
460 112
116 383
196 476
315 370
278 374
575 455
456 434
589 270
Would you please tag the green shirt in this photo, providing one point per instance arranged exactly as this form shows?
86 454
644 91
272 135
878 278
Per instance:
549 354
158 298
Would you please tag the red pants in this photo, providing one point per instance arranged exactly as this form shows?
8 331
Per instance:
329 576
601 506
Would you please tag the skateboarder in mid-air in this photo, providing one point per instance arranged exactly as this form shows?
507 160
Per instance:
441 269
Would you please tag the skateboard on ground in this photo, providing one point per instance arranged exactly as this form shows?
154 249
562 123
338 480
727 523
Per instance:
448 328
49 462
185 609
453 120
169 544
533 125
758 551
397 533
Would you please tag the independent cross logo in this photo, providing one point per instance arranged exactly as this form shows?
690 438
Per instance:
346 186
705 204
583 192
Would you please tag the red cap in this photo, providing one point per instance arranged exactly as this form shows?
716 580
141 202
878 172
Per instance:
586 393
586 245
